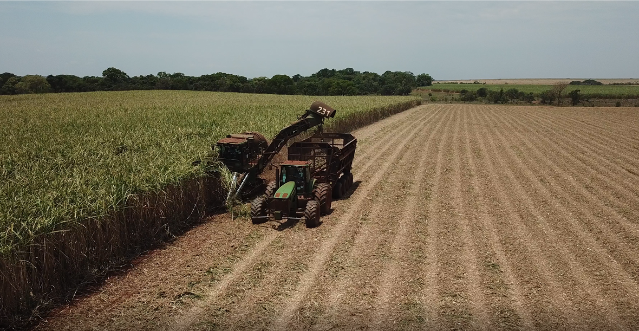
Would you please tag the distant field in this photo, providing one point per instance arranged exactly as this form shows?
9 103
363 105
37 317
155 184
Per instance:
620 91
69 157
540 81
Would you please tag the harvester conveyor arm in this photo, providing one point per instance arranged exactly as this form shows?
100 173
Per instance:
313 117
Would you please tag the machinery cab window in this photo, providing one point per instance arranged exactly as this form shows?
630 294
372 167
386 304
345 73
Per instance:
297 174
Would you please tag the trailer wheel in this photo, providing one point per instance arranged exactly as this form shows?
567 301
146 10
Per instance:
349 182
270 189
338 190
322 194
258 210
312 214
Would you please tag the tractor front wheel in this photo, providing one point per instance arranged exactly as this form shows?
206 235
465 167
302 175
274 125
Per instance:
312 214
270 189
258 210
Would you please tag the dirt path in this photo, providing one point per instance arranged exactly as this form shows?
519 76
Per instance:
462 217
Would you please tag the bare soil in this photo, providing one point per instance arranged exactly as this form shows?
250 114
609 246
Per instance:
474 217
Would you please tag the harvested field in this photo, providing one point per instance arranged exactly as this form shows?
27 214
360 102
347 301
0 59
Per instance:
462 217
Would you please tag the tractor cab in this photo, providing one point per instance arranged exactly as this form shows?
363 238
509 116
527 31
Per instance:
297 172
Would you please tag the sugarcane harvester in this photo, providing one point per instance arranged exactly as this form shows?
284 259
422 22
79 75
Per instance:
246 155
318 169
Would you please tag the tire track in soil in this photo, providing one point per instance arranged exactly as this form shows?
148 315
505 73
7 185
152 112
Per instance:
382 309
389 128
601 141
456 273
186 320
599 181
382 128
447 254
371 241
431 271
574 268
607 132
625 287
308 279
608 164
504 284
554 308
620 120
609 121
564 174
613 228
470 298
234 276
469 254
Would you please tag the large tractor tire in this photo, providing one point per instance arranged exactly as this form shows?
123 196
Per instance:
270 189
322 193
312 214
258 209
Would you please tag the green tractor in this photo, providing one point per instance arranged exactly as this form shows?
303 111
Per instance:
318 169
296 194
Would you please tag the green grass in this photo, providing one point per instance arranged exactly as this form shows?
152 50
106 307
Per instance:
71 157
607 91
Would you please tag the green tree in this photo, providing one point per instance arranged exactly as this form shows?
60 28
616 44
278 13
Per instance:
466 95
4 77
115 79
512 95
257 85
93 83
547 97
575 97
9 86
558 90
33 84
67 83
424 80
342 87
281 84
496 97
397 83
367 83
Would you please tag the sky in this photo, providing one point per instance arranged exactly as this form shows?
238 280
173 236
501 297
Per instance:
448 40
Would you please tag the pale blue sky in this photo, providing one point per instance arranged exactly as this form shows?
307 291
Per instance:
448 40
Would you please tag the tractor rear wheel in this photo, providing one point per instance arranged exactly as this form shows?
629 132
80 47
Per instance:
312 214
322 193
258 210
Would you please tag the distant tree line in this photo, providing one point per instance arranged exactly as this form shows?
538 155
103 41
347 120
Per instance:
324 82
586 82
